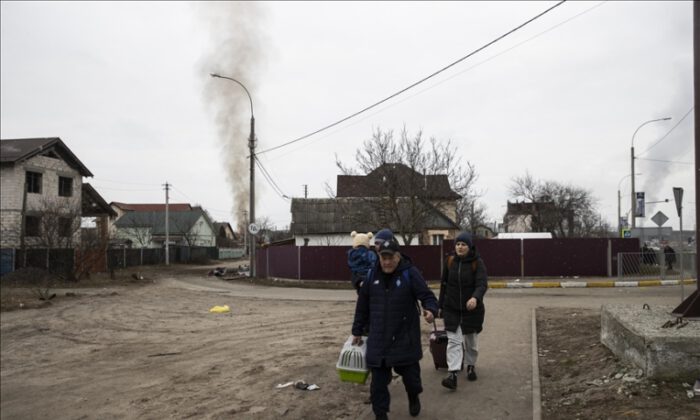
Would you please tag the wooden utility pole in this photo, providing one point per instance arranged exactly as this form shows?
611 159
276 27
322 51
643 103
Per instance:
167 227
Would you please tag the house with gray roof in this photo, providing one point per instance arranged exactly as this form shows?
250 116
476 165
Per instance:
420 209
43 195
147 229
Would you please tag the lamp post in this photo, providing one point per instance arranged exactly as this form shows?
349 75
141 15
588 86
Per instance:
634 194
619 216
251 146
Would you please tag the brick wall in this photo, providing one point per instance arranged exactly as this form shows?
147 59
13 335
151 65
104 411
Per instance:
12 184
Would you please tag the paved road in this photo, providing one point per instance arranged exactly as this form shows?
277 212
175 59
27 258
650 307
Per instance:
504 387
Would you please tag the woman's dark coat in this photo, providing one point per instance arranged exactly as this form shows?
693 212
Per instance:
462 280
388 304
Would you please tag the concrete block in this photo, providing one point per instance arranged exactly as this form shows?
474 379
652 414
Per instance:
635 334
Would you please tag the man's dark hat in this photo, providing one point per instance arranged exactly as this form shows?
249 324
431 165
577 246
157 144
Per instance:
389 247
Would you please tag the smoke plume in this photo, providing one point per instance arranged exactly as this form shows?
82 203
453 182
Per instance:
234 51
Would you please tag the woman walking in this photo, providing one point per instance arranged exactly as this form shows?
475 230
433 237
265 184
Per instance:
464 283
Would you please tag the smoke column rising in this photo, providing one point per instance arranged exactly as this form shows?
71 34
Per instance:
235 51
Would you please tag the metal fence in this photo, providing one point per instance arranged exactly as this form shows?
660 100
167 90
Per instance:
129 257
63 261
522 258
654 265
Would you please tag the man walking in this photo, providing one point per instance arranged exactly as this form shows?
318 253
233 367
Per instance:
387 303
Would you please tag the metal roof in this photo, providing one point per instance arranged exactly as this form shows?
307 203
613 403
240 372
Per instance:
13 151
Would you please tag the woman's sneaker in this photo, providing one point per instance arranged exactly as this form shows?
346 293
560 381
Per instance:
450 381
471 374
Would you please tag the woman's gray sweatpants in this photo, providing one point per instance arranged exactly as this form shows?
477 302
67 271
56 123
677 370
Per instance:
456 343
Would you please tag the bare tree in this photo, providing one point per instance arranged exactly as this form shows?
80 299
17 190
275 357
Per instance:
330 240
404 200
139 229
182 227
91 253
52 225
561 209
70 251
266 226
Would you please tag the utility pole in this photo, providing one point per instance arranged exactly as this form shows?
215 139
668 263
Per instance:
634 192
251 146
306 190
167 231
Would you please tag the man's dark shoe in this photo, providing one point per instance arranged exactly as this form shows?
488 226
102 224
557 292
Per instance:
471 374
413 405
450 381
381 417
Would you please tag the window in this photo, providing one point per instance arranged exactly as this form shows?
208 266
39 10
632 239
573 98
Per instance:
437 239
65 186
33 182
32 225
65 227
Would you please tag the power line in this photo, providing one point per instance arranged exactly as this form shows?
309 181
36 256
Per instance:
123 189
416 83
551 28
666 161
123 182
209 209
269 179
669 131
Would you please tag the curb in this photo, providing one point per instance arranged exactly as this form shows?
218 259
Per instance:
536 390
586 284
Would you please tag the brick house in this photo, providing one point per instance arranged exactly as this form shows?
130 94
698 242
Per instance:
41 193
524 217
392 195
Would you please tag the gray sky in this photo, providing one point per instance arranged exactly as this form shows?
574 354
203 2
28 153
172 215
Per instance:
126 86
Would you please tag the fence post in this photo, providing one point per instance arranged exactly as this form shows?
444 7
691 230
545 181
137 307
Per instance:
298 263
522 258
660 258
681 277
620 257
609 258
267 262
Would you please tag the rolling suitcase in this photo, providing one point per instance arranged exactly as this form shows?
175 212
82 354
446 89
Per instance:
438 347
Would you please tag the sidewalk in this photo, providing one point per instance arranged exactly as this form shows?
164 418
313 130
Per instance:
517 284
583 282
508 379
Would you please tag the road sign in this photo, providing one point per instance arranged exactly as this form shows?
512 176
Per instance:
253 229
678 195
624 224
659 218
639 208
626 233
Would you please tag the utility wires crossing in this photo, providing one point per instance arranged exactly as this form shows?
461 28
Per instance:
416 83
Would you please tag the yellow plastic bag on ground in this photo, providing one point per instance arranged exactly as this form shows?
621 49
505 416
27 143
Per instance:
220 309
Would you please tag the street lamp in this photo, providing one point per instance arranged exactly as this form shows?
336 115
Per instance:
619 216
634 195
251 146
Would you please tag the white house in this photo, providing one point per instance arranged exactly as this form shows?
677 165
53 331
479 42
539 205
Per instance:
146 229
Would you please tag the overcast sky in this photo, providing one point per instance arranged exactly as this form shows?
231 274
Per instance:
126 86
